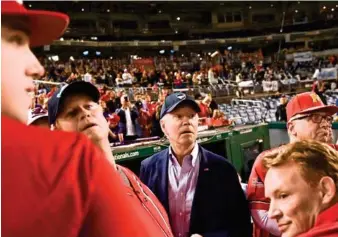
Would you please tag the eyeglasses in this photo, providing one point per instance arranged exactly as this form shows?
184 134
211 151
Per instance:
317 118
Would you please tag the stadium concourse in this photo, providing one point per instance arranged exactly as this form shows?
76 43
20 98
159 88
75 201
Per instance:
146 82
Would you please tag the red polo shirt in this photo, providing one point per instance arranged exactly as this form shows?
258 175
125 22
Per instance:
59 184
326 224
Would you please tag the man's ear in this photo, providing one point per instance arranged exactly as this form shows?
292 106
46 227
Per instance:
162 123
328 190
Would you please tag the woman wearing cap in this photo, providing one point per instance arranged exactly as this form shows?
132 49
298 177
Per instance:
53 183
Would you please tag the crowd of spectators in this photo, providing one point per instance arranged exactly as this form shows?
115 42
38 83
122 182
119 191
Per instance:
132 94
184 71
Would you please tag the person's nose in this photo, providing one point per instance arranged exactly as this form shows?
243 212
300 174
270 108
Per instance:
34 69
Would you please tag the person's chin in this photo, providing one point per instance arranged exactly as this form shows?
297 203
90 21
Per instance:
290 233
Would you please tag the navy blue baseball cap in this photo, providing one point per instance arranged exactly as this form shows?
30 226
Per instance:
174 100
79 87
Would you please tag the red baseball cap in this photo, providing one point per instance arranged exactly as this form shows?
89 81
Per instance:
45 26
308 102
113 118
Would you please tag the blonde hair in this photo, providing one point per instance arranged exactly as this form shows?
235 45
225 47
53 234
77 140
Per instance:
315 160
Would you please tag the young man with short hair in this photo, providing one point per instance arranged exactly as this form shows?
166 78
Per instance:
53 183
302 183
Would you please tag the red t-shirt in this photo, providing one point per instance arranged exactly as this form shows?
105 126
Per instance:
59 184
205 110
255 190
326 224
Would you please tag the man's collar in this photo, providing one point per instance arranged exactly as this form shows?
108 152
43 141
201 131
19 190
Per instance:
194 154
328 215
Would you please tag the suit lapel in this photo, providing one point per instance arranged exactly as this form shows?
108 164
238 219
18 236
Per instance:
162 180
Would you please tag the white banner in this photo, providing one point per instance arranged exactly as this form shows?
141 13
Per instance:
270 86
327 73
302 57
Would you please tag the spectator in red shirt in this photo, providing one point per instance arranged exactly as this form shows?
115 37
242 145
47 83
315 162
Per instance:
75 108
205 107
53 183
302 183
308 118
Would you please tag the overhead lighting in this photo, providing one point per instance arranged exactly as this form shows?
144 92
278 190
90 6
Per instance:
162 41
271 5
296 11
201 59
71 58
98 53
298 2
182 55
324 7
111 57
250 7
230 48
82 9
178 18
332 10
108 10
176 32
85 53
93 38
214 54
61 39
198 55
162 51
55 58
159 11
30 5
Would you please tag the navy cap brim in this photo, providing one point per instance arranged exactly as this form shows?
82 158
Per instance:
190 102
80 87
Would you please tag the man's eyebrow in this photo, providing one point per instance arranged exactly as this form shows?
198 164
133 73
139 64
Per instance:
17 23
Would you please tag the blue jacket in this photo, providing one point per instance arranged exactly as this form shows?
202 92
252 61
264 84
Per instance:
219 206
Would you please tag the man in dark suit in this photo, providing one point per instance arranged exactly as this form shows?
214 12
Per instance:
199 189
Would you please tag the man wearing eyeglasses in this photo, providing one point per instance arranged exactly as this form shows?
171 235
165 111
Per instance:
307 118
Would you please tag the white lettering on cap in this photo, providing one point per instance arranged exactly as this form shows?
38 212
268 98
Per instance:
19 1
62 89
181 96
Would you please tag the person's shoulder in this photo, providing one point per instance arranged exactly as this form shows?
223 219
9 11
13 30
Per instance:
215 159
41 142
150 161
262 155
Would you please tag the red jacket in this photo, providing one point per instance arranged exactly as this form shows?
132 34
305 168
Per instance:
147 202
59 184
326 224
255 192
